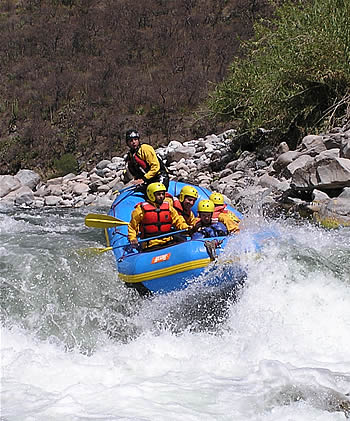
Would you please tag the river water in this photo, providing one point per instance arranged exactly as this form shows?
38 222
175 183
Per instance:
76 345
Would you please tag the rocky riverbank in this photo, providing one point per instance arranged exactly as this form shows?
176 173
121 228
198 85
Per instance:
313 179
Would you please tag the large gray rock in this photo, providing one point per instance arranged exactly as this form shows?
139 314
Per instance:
312 145
300 162
55 181
323 174
181 152
345 149
285 159
53 200
8 183
332 142
335 210
54 190
24 196
103 164
319 196
28 178
345 194
273 183
331 153
333 173
80 188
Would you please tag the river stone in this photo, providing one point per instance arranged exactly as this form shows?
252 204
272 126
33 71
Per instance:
319 196
24 196
53 200
103 164
312 145
345 194
80 188
28 178
8 183
300 162
285 159
345 149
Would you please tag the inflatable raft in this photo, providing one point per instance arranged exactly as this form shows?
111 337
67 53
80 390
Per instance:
174 267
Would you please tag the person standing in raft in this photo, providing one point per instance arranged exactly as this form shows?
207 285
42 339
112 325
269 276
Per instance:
143 163
231 220
154 217
205 227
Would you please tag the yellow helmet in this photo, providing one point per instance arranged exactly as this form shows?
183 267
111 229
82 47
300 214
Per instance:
153 188
217 198
206 206
188 191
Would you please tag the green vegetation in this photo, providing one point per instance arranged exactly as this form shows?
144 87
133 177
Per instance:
66 164
76 74
296 72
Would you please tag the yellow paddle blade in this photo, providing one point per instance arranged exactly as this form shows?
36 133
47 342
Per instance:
103 221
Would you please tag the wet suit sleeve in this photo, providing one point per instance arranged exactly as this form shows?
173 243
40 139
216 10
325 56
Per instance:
177 220
169 200
148 154
134 224
192 220
231 225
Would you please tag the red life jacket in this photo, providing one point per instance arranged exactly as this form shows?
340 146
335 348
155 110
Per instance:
143 164
218 209
137 166
155 220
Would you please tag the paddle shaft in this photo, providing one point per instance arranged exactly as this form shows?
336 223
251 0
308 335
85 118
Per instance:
168 234
127 188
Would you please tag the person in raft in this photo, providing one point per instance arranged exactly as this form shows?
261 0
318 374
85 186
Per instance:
232 221
184 203
143 163
154 217
205 227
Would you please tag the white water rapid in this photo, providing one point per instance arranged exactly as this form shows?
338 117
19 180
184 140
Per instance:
76 345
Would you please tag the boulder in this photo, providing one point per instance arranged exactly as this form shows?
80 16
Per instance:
180 152
327 173
312 145
345 149
24 196
8 183
53 200
300 162
28 178
103 164
335 212
285 159
80 188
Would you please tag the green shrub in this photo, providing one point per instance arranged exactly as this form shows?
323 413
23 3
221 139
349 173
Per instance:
296 70
66 164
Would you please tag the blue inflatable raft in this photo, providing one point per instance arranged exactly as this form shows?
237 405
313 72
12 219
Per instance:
171 268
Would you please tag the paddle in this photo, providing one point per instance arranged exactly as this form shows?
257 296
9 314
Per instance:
125 189
97 250
95 220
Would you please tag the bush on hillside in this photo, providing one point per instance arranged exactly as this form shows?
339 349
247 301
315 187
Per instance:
296 72
85 71
66 164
